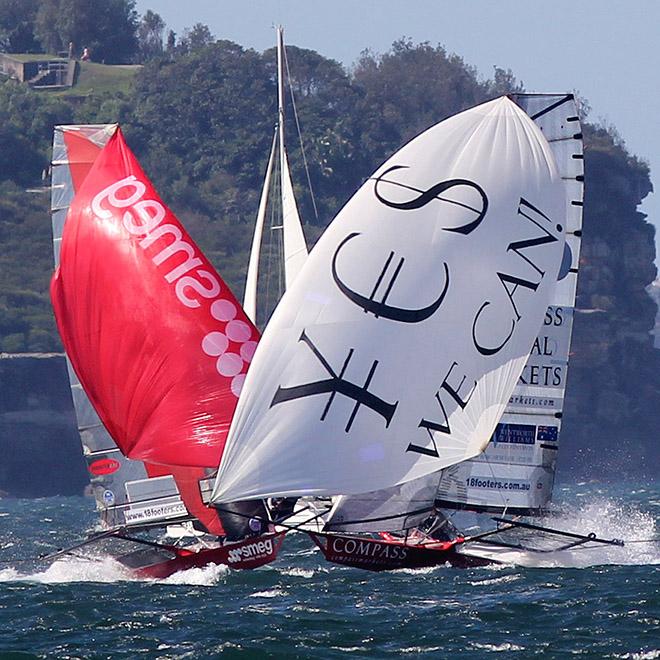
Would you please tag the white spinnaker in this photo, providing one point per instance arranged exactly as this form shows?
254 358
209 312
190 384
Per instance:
423 296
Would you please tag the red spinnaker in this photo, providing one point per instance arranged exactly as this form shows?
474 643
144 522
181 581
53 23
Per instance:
157 339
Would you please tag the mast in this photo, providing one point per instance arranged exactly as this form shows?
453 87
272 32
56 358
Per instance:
294 247
280 87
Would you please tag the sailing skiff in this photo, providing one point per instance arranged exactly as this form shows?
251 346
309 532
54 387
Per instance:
156 369
159 493
459 291
515 473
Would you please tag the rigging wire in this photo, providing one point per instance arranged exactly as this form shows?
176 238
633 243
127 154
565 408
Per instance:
302 146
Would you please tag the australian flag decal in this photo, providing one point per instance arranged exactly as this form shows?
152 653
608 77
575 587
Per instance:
547 433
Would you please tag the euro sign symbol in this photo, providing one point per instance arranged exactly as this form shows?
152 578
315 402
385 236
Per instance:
380 308
433 193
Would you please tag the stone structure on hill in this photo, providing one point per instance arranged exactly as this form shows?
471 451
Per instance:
45 73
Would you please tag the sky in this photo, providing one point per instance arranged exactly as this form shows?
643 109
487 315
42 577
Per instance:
608 51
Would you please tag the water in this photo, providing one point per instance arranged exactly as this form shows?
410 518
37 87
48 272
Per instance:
300 606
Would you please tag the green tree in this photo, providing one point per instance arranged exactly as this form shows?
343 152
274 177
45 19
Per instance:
171 42
17 26
196 38
150 36
26 124
45 27
108 29
407 90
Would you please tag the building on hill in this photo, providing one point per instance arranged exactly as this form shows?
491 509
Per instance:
40 72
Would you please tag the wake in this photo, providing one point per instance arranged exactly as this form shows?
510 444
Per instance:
106 570
608 518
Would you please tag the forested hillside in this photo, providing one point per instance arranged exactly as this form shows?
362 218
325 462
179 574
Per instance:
200 117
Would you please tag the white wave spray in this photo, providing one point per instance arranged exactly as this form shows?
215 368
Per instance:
106 569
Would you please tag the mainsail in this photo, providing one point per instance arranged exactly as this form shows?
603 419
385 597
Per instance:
294 247
396 348
157 340
516 471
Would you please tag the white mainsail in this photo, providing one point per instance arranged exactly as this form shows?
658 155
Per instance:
516 470
293 240
396 348
295 248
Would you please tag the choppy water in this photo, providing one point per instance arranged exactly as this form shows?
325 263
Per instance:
301 606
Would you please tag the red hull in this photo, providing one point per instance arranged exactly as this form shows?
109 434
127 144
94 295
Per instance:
162 561
390 554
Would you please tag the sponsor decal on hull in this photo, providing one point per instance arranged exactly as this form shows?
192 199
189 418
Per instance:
104 466
155 512
357 551
250 551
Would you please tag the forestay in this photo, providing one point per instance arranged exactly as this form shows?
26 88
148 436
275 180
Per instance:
516 471
397 347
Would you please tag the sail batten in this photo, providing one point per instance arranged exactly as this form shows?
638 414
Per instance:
394 351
